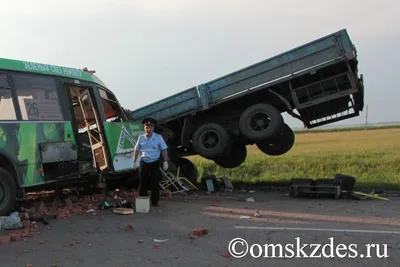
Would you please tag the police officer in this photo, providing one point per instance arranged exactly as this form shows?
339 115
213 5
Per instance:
150 145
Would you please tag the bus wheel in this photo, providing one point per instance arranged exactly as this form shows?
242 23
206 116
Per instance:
8 193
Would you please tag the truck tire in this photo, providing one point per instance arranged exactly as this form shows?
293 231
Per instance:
260 121
279 144
210 140
8 192
235 158
186 169
347 182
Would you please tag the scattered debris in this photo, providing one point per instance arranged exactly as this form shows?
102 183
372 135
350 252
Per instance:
250 200
123 211
165 194
199 231
11 222
257 214
228 184
226 255
213 184
4 239
128 228
160 240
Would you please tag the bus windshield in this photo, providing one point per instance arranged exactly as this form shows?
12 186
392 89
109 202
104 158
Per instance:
112 109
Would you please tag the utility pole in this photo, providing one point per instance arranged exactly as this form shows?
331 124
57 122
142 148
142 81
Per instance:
366 117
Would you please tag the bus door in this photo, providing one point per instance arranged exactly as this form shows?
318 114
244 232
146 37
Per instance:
95 134
90 134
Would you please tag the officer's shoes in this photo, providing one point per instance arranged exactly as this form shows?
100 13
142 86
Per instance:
155 204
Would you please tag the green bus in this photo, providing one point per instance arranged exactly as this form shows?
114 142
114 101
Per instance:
59 125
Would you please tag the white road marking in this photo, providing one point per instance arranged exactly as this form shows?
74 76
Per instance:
319 229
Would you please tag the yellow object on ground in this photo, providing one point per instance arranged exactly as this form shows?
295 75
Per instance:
372 196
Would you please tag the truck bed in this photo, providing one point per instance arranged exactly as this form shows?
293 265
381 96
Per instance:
328 50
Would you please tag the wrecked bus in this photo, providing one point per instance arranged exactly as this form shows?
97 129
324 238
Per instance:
58 126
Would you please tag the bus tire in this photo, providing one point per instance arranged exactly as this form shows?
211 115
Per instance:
8 192
211 140
248 122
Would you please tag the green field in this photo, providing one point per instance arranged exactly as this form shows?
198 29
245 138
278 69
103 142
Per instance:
372 157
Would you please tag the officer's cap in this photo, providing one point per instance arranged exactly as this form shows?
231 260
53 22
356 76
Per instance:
149 121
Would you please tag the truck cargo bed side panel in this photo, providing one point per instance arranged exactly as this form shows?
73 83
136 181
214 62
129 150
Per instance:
333 47
171 107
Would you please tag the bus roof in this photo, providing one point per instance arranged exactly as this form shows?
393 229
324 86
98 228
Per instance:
34 67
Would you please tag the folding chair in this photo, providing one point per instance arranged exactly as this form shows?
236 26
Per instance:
175 183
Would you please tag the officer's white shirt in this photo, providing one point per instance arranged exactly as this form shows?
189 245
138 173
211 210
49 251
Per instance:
150 148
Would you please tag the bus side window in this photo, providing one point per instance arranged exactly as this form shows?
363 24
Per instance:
113 111
7 109
37 97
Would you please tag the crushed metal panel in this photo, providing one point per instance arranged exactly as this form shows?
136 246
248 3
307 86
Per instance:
58 152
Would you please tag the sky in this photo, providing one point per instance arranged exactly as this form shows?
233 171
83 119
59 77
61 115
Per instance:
147 50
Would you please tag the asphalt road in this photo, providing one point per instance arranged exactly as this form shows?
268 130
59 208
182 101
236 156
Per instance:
101 239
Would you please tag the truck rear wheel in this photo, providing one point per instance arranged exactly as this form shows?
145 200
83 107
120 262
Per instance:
8 192
210 140
186 169
279 144
260 121
235 158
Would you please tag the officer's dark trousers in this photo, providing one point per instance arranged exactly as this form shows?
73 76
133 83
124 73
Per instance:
150 177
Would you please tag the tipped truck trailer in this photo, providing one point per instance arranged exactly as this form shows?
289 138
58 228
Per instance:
59 126
217 119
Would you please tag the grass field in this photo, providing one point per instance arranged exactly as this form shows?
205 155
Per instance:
372 156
